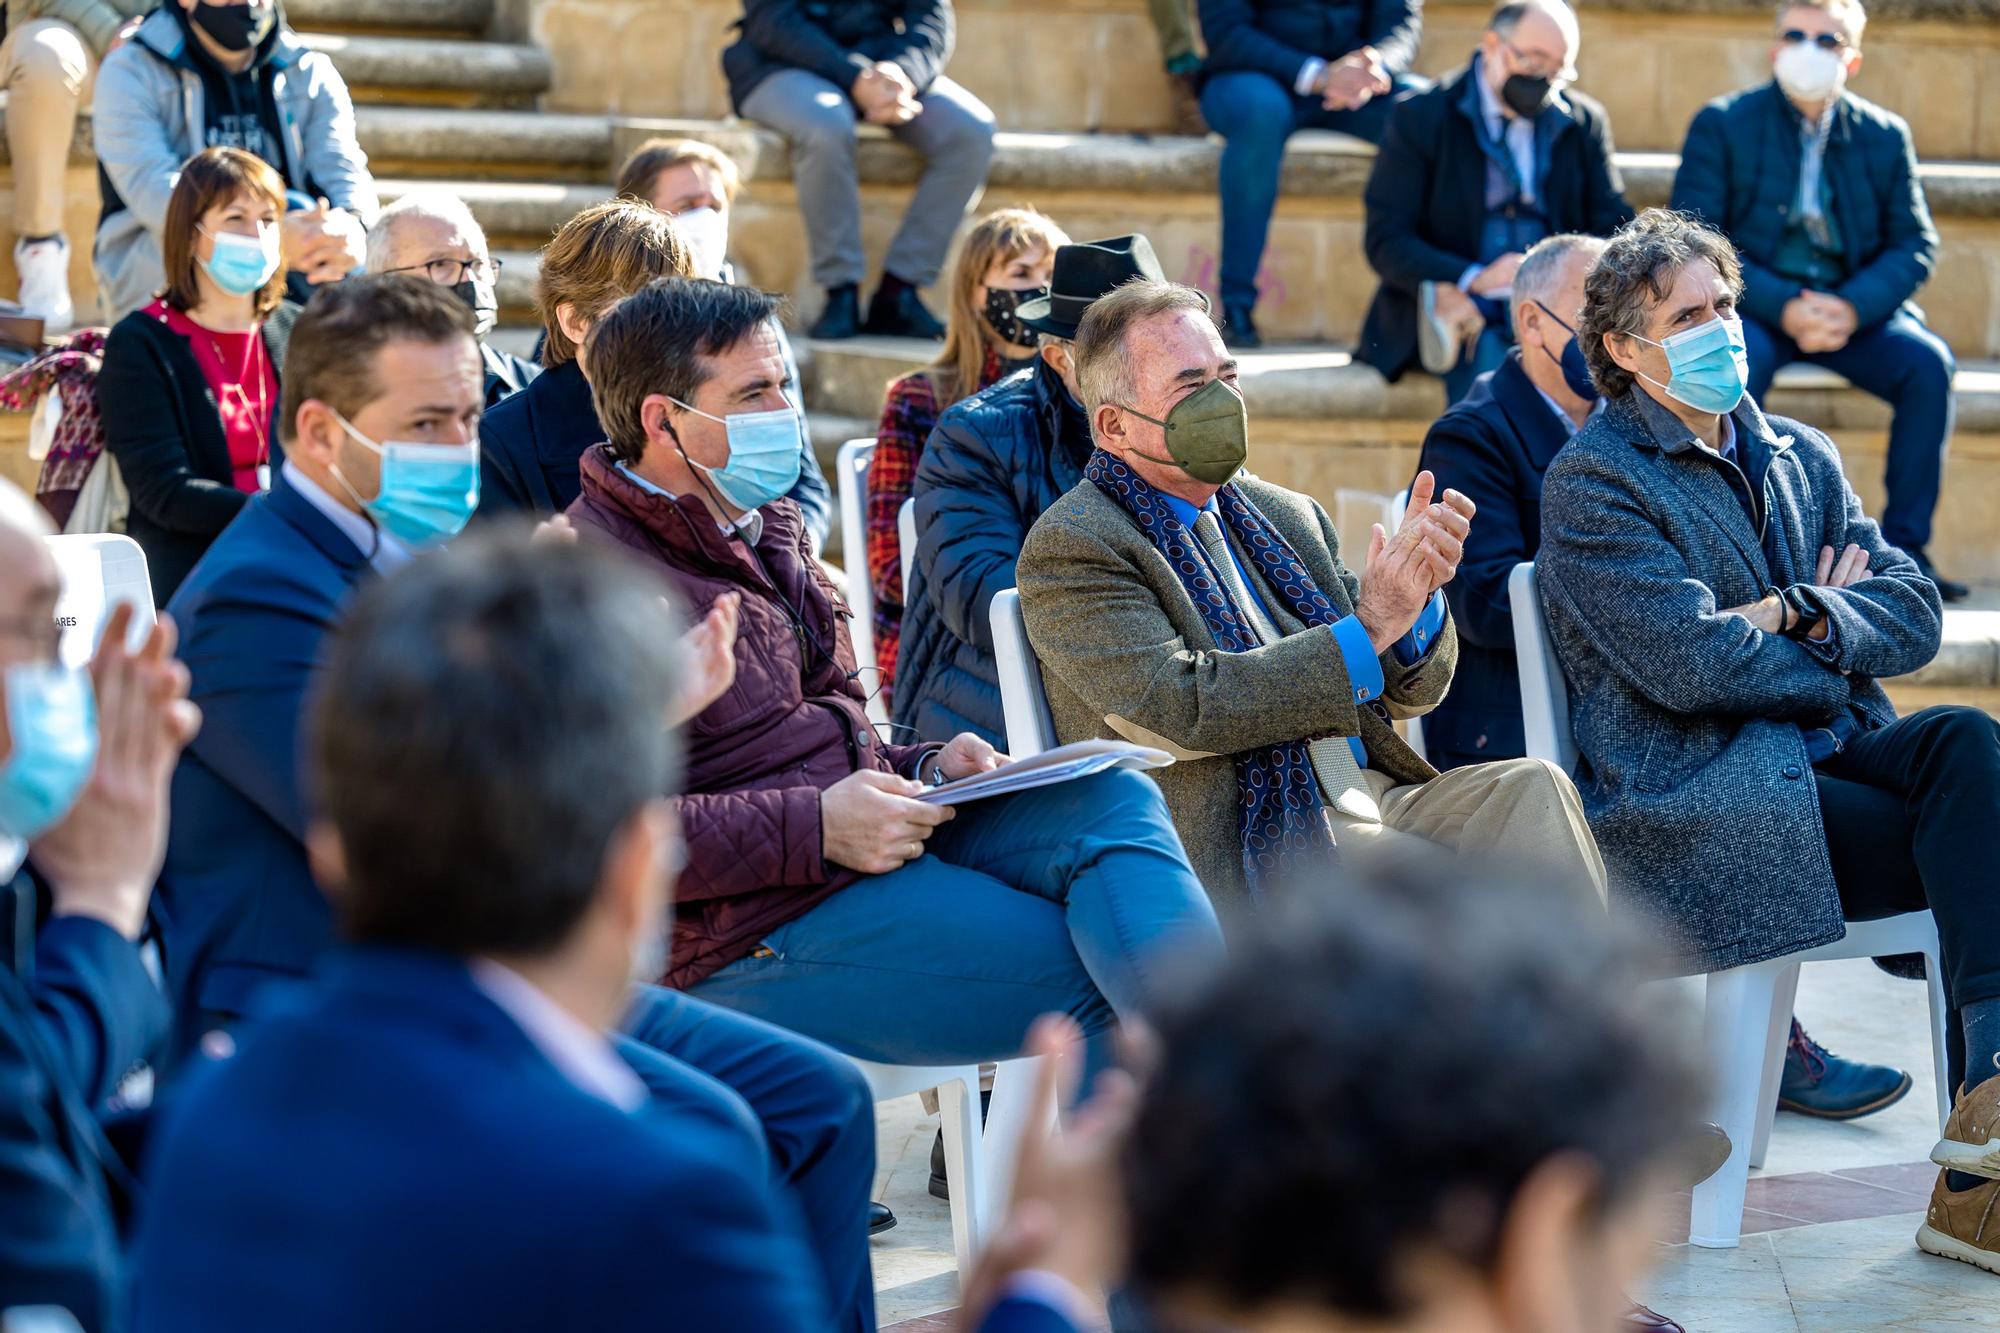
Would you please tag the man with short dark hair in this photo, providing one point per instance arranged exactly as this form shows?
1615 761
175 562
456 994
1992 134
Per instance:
821 893
439 1132
1818 189
389 365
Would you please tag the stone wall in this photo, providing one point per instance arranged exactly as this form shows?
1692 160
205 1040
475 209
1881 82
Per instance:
1093 64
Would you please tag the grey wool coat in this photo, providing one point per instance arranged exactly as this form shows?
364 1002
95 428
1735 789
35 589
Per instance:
1125 654
1693 767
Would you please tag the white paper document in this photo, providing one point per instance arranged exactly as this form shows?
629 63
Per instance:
1062 764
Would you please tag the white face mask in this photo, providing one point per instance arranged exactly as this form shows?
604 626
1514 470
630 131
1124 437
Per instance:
1809 73
707 234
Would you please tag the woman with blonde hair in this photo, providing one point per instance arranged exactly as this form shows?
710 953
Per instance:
1005 262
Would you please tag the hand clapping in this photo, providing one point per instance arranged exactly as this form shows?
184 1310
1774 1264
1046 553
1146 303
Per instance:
1406 568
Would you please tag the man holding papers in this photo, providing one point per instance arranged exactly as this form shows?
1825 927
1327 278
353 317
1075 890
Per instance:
820 893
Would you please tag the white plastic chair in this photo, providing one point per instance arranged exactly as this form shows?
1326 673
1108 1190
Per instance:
906 542
1031 728
1747 1011
978 1161
850 468
99 570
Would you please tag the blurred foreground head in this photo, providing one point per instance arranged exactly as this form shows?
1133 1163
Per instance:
1425 1102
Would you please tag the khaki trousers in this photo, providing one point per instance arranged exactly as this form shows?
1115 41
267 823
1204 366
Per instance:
47 70
1519 812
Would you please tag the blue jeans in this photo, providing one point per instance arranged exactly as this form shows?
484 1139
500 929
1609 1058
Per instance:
805 1107
1905 365
1255 114
1073 899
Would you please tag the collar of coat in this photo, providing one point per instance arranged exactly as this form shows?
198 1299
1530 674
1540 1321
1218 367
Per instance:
679 529
1651 426
1842 127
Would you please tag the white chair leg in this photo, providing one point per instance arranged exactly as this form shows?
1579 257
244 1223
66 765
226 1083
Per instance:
1736 1022
1011 1113
1940 1043
1783 996
958 1110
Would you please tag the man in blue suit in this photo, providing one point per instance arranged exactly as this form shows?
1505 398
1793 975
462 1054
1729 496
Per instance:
84 765
390 363
439 1131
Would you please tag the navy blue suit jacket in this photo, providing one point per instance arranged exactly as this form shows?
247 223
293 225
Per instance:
388 1151
1494 444
236 897
76 1011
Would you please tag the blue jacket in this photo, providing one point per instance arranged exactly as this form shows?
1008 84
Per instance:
237 899
390 1152
1694 771
77 1011
1739 173
529 444
994 463
1494 445
1277 37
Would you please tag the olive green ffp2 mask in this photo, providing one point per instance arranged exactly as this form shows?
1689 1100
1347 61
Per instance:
1208 433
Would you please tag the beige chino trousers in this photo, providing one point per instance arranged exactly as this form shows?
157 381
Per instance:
47 70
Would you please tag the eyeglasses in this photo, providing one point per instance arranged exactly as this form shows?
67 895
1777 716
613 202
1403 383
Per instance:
1538 67
1825 41
451 272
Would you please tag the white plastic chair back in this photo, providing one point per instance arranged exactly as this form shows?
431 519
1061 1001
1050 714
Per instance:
1031 728
850 468
1544 693
99 570
906 541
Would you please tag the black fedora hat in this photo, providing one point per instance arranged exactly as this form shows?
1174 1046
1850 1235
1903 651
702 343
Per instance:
1082 274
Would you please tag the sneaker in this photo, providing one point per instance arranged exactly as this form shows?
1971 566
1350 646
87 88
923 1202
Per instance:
44 270
1970 1143
1438 344
1821 1084
1963 1224
1951 590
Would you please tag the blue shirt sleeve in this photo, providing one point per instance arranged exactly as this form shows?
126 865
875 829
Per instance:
1364 669
1412 647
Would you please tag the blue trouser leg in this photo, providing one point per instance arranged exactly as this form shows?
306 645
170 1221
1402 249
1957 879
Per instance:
1073 899
1768 351
807 1105
1254 115
1486 354
1910 368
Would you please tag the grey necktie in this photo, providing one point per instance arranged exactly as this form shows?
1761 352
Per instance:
1340 780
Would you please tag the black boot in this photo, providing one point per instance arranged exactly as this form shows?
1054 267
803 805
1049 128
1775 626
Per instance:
840 317
1949 589
1239 330
895 312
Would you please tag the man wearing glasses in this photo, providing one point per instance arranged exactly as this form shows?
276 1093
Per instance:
1818 189
432 234
1471 174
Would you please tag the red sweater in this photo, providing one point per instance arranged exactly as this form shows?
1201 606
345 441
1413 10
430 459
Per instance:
239 373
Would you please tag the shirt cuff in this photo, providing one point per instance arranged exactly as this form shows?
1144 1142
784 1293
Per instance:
1470 276
1308 75
1364 668
1412 647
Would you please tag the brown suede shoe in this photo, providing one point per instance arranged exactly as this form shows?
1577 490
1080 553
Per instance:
1971 1141
1964 1226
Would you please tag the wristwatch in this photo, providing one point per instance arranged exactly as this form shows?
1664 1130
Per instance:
1806 613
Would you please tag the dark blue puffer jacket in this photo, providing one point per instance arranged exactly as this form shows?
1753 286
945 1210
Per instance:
994 463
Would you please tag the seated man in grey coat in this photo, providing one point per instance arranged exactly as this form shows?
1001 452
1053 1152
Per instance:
1722 609
1176 601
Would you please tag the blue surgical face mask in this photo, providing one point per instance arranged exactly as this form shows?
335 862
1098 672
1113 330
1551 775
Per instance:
1709 369
428 491
52 719
241 265
763 455
1575 366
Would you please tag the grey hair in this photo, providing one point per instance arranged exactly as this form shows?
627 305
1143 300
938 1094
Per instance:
1849 14
1541 270
1102 359
1634 274
442 205
1507 16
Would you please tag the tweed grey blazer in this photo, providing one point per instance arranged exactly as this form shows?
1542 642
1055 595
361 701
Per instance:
1125 654
1693 766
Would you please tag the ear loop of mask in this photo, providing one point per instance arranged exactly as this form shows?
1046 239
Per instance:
374 528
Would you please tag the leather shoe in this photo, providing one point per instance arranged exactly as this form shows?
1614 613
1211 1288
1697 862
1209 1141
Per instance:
1707 1149
1819 1083
880 1219
1640 1318
1239 330
840 317
896 312
940 1184
1951 590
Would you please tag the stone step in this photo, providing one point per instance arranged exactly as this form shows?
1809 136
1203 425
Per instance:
435 69
464 16
1061 65
447 142
514 213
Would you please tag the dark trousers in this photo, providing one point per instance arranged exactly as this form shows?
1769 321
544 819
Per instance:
1910 368
1909 813
802 1103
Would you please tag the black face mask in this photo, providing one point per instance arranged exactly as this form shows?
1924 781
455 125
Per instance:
236 27
1001 305
1575 366
478 294
1527 97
